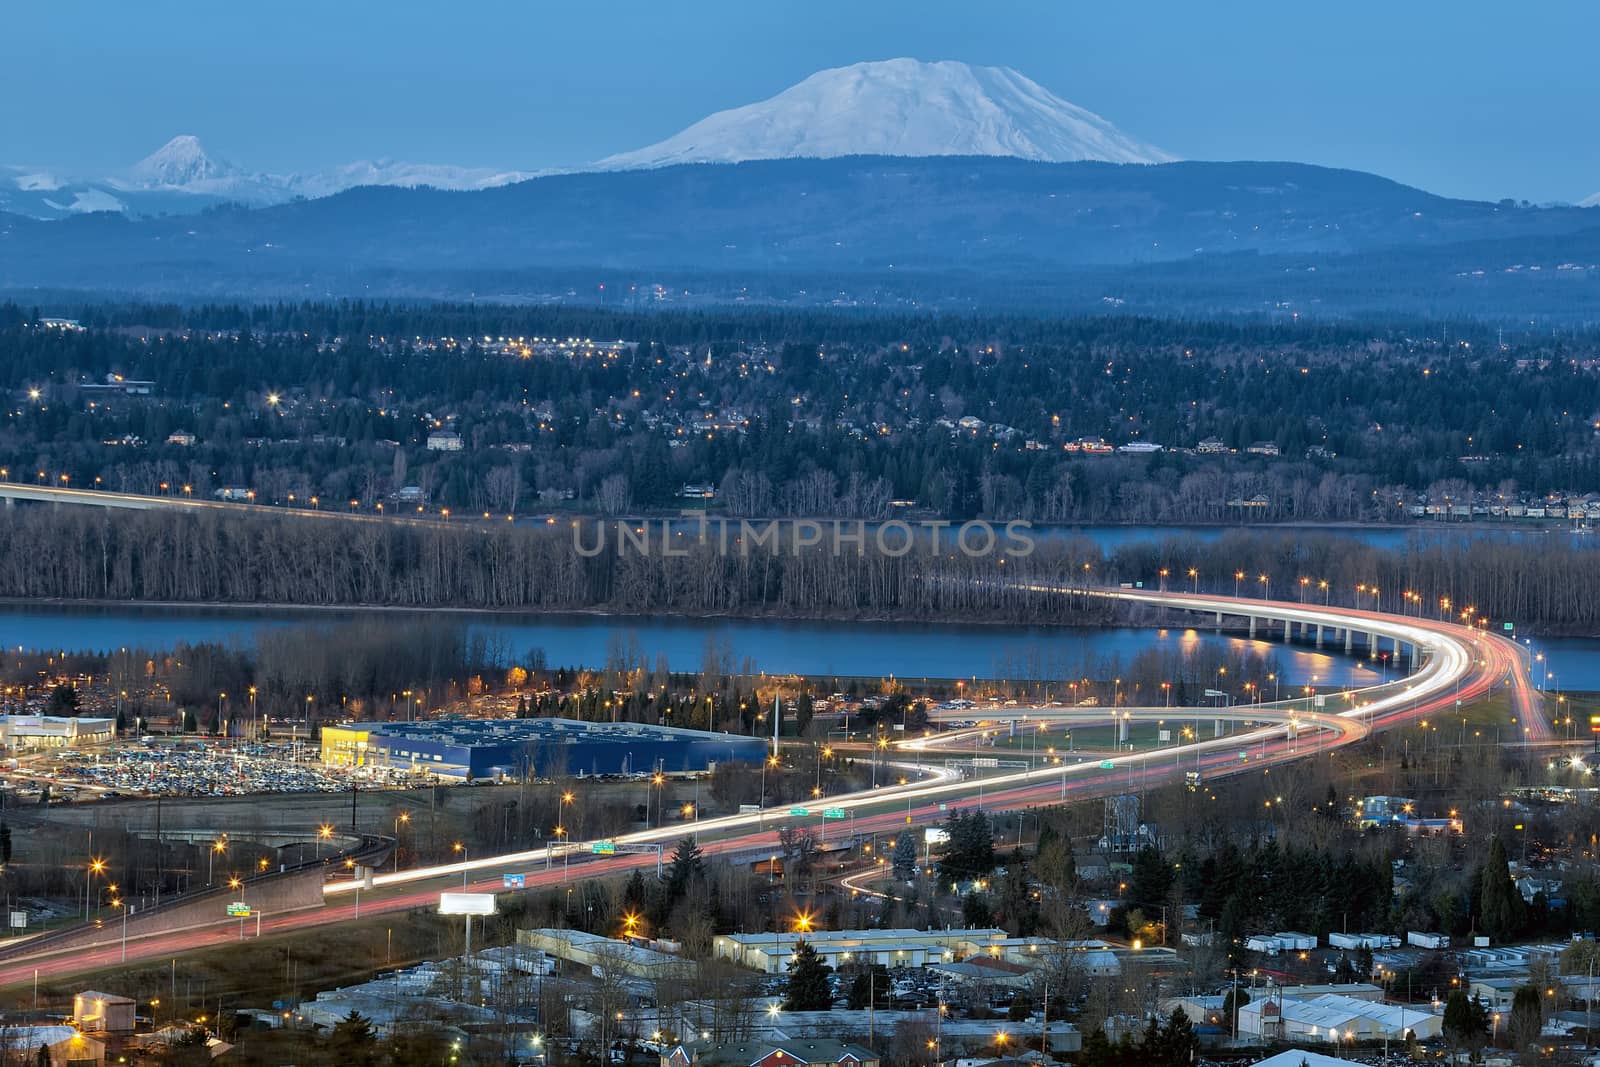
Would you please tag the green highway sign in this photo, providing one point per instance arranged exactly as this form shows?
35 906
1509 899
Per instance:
1106 765
799 811
1244 755
603 848
238 909
834 813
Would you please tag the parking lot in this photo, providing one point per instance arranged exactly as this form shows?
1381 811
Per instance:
188 770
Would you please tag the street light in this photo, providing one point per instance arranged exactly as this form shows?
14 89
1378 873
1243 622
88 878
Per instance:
403 817
461 848
96 866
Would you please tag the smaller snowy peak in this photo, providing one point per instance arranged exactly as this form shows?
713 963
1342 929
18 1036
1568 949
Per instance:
901 107
1590 201
182 161
399 173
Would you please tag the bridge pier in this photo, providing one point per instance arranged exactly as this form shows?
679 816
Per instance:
1216 728
1372 646
1252 627
1288 630
1122 732
1319 628
1349 641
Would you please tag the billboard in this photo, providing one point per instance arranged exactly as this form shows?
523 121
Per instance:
466 903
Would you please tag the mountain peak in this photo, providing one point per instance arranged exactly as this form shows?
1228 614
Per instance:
901 107
181 161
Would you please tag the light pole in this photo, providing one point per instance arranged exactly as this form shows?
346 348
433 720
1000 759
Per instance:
119 903
211 858
461 848
403 817
95 867
324 833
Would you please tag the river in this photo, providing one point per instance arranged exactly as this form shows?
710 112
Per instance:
812 647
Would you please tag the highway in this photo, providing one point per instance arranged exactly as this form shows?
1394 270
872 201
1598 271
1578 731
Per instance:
1458 664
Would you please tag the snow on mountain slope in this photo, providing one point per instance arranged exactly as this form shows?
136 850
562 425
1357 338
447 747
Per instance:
1590 201
181 162
900 107
389 172
182 177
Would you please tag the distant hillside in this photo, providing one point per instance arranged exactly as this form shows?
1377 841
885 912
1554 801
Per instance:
988 222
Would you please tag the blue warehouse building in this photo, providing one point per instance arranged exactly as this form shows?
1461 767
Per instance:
490 748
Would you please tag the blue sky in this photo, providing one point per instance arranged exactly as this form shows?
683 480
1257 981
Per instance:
1466 98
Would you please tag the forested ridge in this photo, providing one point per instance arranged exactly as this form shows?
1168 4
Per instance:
802 413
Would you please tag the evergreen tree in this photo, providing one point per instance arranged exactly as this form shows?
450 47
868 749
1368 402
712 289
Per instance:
1500 906
63 700
1236 999
1466 1021
969 853
975 910
905 855
1527 1018
808 981
1179 1040
687 864
354 1040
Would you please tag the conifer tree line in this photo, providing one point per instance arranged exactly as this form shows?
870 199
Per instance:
87 554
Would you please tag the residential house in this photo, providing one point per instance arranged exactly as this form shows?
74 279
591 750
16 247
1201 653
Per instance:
444 441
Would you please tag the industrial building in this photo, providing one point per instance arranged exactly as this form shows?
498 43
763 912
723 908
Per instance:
771 952
596 952
801 1052
491 748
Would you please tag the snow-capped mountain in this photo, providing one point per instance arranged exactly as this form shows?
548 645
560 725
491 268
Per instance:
182 176
182 161
1590 201
900 107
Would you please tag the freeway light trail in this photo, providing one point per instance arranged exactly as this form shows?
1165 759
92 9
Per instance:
1459 664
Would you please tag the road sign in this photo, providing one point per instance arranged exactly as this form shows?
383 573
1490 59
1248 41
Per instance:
19 919
1107 765
1244 755
800 811
604 848
514 881
1215 693
1508 626
238 909
834 813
